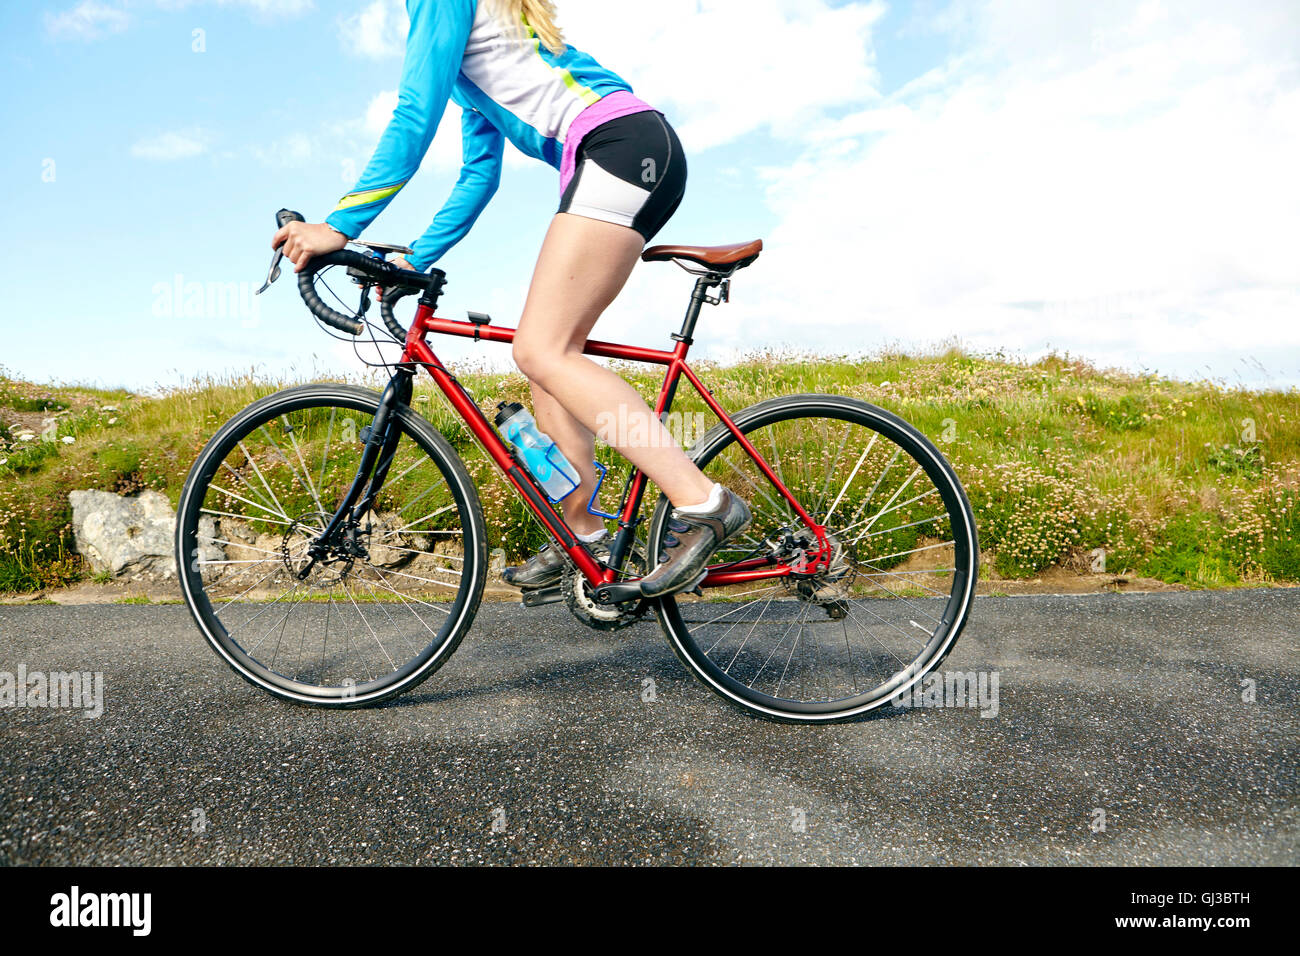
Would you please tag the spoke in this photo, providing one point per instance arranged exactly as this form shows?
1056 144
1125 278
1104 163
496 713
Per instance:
227 514
911 524
281 514
762 491
898 491
848 481
723 617
874 488
432 514
348 591
848 607
901 504
383 607
252 489
420 497
431 554
902 554
826 485
803 611
441 584
305 470
406 597
907 634
420 461
325 456
876 572
246 547
838 590
258 471
748 635
248 561
268 607
218 611
283 625
776 467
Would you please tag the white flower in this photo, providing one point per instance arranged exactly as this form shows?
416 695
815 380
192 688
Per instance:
26 436
112 421
68 439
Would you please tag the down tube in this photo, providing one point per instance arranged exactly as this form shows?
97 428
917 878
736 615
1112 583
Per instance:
420 352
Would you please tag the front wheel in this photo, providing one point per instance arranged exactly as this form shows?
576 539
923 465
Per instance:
390 598
892 596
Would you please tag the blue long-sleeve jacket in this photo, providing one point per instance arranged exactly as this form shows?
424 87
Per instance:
508 86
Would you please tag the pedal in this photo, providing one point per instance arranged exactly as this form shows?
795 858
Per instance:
536 597
695 588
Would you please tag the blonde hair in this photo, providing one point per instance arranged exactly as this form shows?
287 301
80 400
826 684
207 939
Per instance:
533 18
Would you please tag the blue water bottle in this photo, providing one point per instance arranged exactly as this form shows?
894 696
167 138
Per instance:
547 463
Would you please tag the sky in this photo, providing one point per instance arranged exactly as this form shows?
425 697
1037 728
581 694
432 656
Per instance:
1112 180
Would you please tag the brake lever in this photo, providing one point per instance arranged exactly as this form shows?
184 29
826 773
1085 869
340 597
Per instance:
281 217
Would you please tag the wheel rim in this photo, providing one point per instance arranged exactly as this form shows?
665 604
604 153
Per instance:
848 639
374 612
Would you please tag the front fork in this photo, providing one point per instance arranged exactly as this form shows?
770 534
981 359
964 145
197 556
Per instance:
381 437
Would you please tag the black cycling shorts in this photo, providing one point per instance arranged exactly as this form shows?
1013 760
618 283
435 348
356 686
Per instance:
631 171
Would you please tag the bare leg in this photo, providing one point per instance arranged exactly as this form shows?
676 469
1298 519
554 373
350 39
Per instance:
579 446
583 265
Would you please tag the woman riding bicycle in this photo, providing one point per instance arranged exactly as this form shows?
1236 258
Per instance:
622 176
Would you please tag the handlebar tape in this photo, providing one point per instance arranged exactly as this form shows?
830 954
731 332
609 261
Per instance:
386 303
384 274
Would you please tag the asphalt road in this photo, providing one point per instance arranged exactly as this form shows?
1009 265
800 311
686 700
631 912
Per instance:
535 745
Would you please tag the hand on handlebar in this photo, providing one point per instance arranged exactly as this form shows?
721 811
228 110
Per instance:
304 240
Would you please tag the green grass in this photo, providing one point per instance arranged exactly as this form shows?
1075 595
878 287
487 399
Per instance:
1192 483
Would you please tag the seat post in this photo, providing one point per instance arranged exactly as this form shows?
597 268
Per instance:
698 297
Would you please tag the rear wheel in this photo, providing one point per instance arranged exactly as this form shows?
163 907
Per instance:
388 602
902 567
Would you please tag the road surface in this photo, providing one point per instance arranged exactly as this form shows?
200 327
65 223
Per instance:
1124 733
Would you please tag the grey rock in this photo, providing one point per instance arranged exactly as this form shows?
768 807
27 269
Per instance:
131 537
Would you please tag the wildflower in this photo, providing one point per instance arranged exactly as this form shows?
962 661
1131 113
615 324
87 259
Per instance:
68 439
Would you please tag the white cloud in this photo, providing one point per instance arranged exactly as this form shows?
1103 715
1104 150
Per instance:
291 150
1115 181
166 147
378 30
264 9
91 19
717 87
380 111
87 20
1110 178
724 68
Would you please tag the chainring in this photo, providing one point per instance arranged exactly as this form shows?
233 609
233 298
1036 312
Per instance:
603 617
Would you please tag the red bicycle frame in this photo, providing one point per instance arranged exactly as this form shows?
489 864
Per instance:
417 351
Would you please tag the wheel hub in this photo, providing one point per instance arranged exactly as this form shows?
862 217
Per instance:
332 564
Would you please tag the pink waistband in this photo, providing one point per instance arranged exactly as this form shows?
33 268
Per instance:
612 106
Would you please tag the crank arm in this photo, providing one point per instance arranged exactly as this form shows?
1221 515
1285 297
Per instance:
536 597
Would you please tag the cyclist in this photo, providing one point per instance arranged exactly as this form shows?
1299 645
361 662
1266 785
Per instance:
622 175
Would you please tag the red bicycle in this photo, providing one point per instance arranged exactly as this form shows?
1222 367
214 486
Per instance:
333 549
